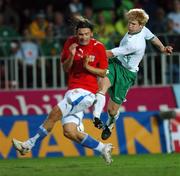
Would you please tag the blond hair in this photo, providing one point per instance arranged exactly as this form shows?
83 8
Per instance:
138 14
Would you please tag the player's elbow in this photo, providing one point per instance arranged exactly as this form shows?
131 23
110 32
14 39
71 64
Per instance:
103 73
65 69
109 53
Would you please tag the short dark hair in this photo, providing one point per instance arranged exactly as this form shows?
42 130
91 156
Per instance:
85 24
82 22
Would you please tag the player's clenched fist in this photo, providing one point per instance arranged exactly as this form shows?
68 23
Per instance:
72 48
168 50
88 59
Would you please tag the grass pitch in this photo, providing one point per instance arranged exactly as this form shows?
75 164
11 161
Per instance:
123 165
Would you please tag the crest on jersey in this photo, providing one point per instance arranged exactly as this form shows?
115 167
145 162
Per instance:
92 57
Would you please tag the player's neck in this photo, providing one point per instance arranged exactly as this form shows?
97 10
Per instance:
133 33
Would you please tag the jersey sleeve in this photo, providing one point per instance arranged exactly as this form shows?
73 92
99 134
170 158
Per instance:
65 51
124 50
103 63
148 35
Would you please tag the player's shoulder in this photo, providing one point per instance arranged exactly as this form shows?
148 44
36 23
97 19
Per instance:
145 29
96 43
71 39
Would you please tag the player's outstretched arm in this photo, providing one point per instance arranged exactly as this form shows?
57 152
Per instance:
164 49
109 53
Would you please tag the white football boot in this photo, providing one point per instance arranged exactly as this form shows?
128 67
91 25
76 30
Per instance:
22 147
106 153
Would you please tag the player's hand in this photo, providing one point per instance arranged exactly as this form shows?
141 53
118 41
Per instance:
88 59
72 49
168 50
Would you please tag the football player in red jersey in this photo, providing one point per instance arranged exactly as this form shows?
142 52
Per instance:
84 58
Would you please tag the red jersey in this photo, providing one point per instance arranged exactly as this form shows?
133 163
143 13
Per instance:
78 76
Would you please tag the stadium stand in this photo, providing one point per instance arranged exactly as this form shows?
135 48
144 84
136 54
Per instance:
49 26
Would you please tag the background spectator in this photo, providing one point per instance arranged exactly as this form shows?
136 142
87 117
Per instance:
175 15
60 27
7 33
11 16
88 13
169 27
28 54
75 6
38 26
50 12
159 22
104 30
52 25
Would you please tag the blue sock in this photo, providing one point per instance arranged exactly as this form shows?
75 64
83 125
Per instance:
40 135
89 142
42 132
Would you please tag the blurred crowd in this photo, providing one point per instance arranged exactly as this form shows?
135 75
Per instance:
39 28
45 24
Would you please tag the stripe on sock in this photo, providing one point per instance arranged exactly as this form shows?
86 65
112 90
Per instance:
89 142
42 132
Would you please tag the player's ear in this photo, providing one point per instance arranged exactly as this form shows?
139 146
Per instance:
141 26
91 34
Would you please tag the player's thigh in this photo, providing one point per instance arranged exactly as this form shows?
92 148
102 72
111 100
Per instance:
70 130
76 118
111 71
123 81
118 93
104 84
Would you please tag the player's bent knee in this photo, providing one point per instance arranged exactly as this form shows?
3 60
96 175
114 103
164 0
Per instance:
70 134
112 112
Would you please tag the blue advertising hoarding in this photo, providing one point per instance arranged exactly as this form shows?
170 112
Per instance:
134 133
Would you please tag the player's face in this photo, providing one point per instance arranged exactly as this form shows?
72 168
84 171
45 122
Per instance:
134 26
84 35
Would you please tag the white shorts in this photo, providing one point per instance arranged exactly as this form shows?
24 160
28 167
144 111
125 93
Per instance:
76 100
73 105
75 118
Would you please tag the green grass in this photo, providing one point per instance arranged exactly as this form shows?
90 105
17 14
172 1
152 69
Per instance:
123 165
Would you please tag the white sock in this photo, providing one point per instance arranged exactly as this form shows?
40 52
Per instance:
40 135
34 139
99 147
30 143
99 104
